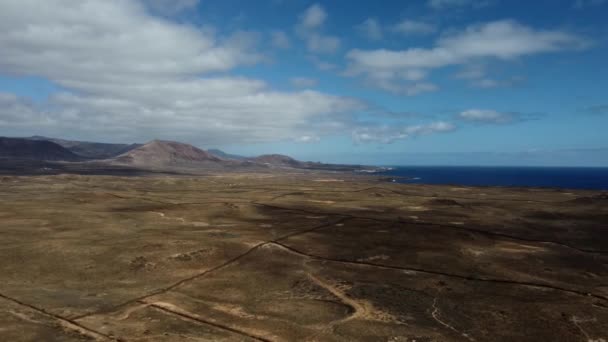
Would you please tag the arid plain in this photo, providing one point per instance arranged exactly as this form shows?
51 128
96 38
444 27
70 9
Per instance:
298 257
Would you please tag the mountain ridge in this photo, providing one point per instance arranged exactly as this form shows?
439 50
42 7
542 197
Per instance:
159 155
225 155
20 148
89 149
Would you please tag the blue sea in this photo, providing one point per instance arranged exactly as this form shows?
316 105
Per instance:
553 177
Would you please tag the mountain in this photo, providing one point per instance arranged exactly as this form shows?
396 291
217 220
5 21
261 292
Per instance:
160 153
92 150
283 161
276 160
224 155
154 156
20 148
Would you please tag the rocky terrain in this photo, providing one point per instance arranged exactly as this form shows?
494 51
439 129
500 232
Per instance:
19 149
41 155
298 257
158 153
91 150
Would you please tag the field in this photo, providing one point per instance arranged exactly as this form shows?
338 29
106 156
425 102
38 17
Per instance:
298 257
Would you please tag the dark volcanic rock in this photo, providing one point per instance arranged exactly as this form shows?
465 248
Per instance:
600 198
18 148
445 201
92 150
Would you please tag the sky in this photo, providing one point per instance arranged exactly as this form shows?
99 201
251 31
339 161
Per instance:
428 82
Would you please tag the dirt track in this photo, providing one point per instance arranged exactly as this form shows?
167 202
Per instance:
288 257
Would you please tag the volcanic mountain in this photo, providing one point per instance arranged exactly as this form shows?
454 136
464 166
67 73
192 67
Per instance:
93 150
276 160
221 154
19 148
160 153
282 162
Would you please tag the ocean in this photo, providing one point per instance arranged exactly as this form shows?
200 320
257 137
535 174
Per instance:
553 177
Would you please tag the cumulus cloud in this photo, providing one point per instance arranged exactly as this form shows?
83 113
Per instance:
18 112
313 17
413 27
307 139
419 88
410 87
389 134
130 75
504 40
476 75
489 83
487 116
321 64
370 29
309 28
280 40
303 82
319 43
472 72
115 41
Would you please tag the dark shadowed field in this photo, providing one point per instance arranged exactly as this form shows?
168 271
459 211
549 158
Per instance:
298 257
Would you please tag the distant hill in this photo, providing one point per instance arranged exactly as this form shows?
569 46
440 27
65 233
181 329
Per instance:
159 153
20 148
276 160
92 150
156 155
224 155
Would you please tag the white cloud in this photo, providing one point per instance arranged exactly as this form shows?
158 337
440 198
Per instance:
170 7
303 82
309 29
19 112
388 135
488 83
407 82
115 41
132 76
370 29
487 116
472 72
321 64
412 27
322 44
504 40
313 17
307 139
414 74
476 75
419 88
279 39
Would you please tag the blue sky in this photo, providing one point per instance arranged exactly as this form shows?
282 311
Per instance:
440 82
